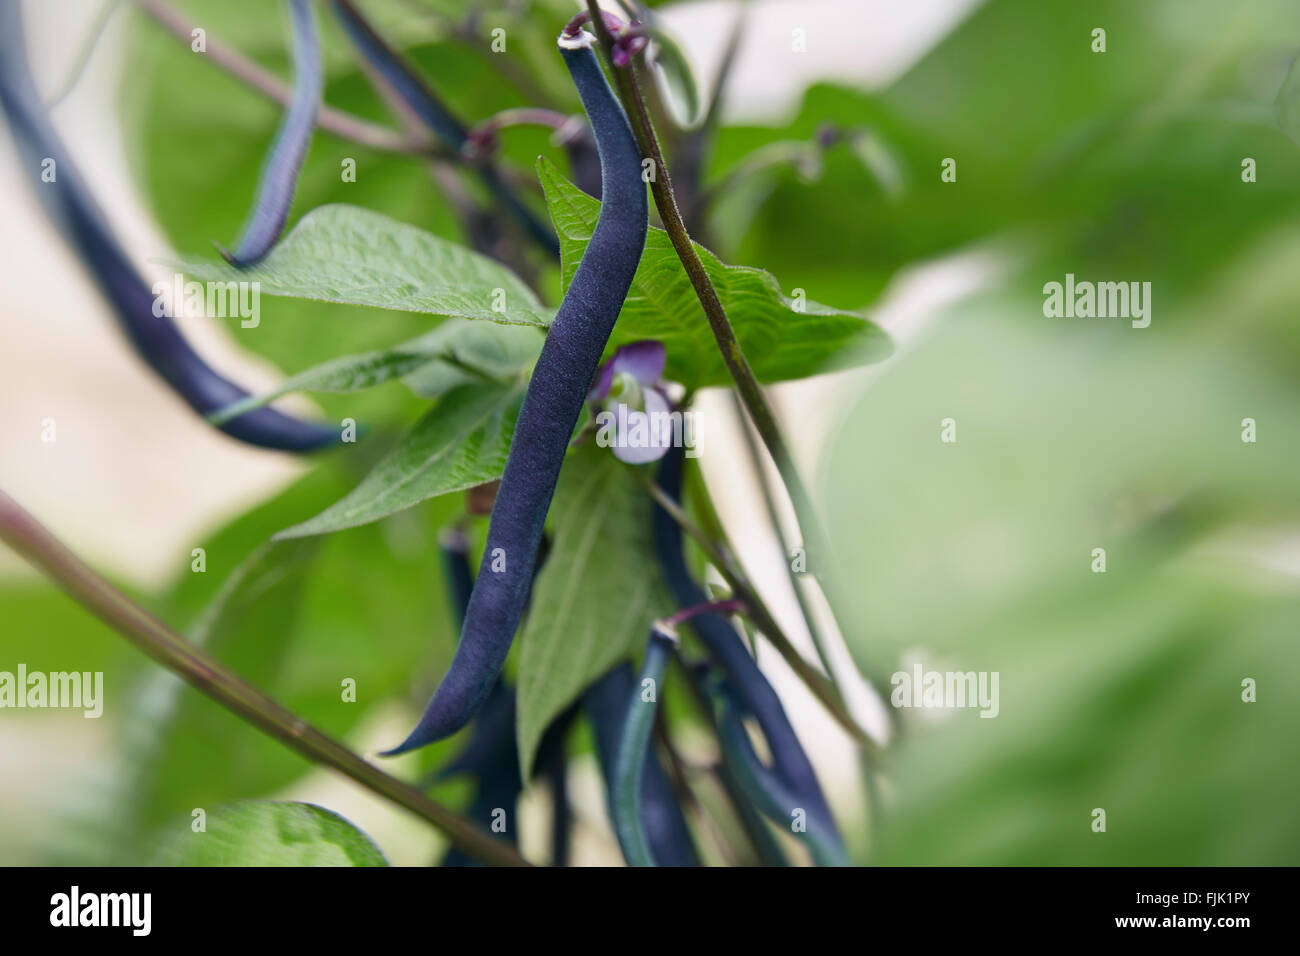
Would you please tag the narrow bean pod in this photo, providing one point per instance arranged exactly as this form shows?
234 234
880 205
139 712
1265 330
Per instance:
453 548
551 407
634 747
606 703
491 756
148 326
752 688
439 119
280 172
773 795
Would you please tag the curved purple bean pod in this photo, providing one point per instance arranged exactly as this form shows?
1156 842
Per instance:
550 409
491 755
417 95
279 175
72 207
605 703
752 688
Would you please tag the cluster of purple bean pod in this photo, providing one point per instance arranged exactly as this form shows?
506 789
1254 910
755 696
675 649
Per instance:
646 812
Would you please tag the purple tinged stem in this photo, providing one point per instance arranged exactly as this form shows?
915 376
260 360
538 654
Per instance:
751 687
435 114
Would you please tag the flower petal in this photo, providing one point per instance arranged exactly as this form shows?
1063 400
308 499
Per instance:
644 360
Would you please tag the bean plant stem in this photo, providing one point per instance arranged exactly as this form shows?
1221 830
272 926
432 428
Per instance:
31 540
751 392
774 518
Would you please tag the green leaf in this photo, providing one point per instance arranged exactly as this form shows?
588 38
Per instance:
780 341
594 601
345 254
457 352
476 350
461 442
262 833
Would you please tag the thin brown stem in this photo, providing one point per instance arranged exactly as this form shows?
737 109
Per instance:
751 392
778 532
32 541
339 122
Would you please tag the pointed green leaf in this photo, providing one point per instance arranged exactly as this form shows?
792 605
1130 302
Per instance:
783 338
457 352
345 254
594 601
461 442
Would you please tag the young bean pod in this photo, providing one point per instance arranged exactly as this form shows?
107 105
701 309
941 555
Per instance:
634 747
551 407
280 173
606 705
439 119
147 324
492 754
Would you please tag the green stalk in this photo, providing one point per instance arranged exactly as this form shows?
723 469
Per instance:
747 385
32 541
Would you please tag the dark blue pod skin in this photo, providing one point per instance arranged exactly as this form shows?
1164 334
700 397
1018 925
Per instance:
752 688
280 172
491 755
550 410
494 791
72 207
453 549
605 704
449 130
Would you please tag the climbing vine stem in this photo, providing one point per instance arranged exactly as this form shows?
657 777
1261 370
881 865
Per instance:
751 392
31 540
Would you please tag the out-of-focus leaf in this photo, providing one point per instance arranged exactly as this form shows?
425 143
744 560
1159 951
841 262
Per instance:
782 338
673 66
262 833
595 599
461 442
355 256
1118 690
